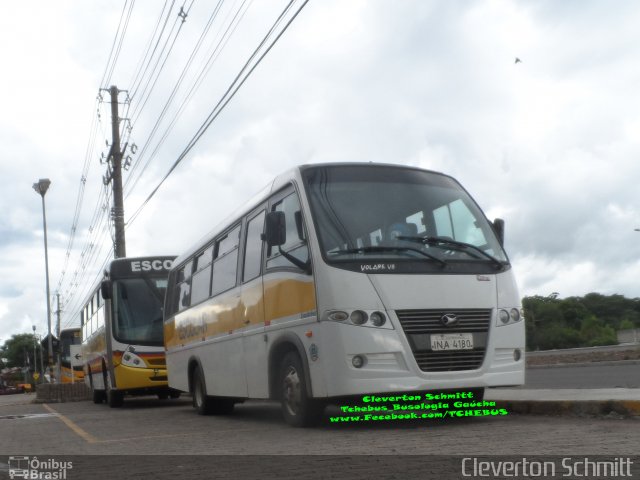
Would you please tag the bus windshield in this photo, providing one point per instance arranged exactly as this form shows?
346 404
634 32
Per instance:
382 212
138 310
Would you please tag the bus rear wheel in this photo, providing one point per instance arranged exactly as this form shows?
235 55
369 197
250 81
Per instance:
201 402
297 408
204 404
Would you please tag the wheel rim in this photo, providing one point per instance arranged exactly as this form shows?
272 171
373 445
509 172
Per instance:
291 391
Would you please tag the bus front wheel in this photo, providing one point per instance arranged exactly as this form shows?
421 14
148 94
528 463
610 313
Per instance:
298 409
115 399
98 395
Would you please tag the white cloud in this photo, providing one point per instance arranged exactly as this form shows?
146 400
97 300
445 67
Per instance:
550 144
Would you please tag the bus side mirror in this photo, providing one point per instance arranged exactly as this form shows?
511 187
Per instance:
275 229
106 289
498 227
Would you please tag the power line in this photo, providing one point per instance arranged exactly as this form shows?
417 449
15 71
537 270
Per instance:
113 59
164 111
143 58
236 84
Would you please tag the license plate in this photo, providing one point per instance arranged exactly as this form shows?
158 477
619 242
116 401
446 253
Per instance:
452 341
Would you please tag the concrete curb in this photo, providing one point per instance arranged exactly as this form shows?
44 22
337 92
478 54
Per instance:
625 408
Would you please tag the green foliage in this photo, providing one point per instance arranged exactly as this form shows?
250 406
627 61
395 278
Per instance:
578 321
626 324
17 349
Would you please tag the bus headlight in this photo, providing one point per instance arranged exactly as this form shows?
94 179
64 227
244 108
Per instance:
509 317
338 316
130 359
358 317
378 319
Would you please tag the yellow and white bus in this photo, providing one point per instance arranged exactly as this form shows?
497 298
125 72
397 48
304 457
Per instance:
341 280
122 334
68 372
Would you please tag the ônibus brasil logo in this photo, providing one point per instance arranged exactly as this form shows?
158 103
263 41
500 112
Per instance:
38 469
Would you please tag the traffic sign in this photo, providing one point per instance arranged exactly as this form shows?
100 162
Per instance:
76 355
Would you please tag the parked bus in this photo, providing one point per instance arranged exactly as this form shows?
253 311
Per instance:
122 333
69 374
340 280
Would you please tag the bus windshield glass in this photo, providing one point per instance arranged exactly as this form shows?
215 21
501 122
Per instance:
364 213
138 310
68 338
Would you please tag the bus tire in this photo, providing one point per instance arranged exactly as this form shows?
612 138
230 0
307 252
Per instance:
298 409
163 396
204 404
115 399
97 395
201 402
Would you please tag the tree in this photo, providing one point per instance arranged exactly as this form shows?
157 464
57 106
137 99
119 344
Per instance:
18 349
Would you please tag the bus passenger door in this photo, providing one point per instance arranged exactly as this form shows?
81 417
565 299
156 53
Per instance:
252 306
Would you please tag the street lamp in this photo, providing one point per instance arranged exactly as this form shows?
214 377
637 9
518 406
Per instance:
41 188
35 353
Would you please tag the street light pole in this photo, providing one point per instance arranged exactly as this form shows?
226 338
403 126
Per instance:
41 188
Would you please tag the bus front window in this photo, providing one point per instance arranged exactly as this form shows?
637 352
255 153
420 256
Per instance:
366 212
138 310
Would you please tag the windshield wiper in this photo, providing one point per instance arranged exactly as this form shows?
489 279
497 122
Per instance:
449 242
388 248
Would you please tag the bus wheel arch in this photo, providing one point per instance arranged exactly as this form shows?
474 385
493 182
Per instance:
203 403
299 409
98 395
114 398
193 364
280 348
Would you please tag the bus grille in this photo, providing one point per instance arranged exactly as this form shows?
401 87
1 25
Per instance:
157 362
423 323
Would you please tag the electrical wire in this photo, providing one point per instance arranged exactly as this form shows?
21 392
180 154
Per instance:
225 99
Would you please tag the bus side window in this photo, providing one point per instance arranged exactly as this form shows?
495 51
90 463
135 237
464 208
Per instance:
201 284
183 288
296 244
225 262
253 248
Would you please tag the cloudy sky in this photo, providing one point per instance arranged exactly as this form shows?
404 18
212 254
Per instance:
551 144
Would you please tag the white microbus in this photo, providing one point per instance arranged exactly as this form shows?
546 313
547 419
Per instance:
341 280
122 334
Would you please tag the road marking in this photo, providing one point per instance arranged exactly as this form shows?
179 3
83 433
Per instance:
26 415
69 423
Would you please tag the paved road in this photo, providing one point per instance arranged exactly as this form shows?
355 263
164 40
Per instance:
165 439
149 426
605 375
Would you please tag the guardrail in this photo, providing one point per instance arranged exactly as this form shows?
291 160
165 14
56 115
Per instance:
573 351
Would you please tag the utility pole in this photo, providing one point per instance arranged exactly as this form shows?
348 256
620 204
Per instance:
115 175
58 311
59 353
